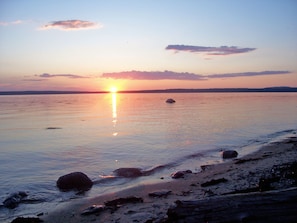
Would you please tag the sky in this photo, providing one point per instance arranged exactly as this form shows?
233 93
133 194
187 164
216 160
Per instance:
139 45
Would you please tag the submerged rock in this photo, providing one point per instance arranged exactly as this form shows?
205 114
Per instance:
75 180
170 100
13 200
128 172
228 154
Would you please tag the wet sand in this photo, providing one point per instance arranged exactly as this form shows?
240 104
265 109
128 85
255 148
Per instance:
267 172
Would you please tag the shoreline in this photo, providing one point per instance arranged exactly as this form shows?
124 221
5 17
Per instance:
216 182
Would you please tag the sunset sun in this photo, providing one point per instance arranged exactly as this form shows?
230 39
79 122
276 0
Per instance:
113 89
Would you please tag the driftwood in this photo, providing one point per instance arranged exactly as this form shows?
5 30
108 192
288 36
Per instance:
272 206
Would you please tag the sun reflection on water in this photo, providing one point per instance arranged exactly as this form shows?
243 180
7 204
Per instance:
114 111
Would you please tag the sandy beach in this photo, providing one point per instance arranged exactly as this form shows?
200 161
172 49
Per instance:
268 172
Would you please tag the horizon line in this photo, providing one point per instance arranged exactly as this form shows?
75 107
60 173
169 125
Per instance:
171 90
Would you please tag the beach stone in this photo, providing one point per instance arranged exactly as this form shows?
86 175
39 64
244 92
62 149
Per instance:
180 174
94 209
75 180
27 220
170 100
124 200
13 200
228 154
143 217
128 172
161 193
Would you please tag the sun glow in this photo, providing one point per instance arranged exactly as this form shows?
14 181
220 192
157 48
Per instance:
113 89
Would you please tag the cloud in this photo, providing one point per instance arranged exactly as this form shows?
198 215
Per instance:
153 75
34 80
73 76
16 22
248 74
222 50
170 75
71 25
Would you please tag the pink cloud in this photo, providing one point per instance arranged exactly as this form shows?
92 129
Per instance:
16 22
152 75
71 25
170 75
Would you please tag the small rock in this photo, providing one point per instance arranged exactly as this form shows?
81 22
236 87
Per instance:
143 217
213 182
53 128
229 154
161 193
13 200
126 200
75 180
170 100
26 220
180 174
94 209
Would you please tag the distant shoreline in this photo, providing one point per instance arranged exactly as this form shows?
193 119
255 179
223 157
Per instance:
178 90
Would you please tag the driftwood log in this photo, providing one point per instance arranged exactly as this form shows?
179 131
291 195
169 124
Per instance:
272 206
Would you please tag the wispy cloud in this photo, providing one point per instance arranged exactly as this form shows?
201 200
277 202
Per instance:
248 74
16 22
170 75
71 25
72 76
34 80
153 75
222 50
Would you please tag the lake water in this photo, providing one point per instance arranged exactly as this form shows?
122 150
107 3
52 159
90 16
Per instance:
45 136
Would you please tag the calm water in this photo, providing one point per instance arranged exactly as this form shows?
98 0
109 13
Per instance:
45 136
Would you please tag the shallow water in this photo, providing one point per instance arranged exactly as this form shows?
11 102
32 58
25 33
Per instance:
45 136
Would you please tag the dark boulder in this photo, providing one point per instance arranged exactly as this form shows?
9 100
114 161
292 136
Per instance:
13 200
94 209
128 172
125 200
161 193
180 174
229 154
27 220
75 180
170 100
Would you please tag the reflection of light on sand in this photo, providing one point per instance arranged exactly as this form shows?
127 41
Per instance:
114 111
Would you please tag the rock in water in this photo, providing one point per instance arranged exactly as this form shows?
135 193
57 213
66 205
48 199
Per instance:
75 180
170 100
229 154
128 172
13 200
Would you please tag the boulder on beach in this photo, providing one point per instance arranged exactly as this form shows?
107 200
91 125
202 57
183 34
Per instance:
74 181
180 174
170 100
128 172
228 154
